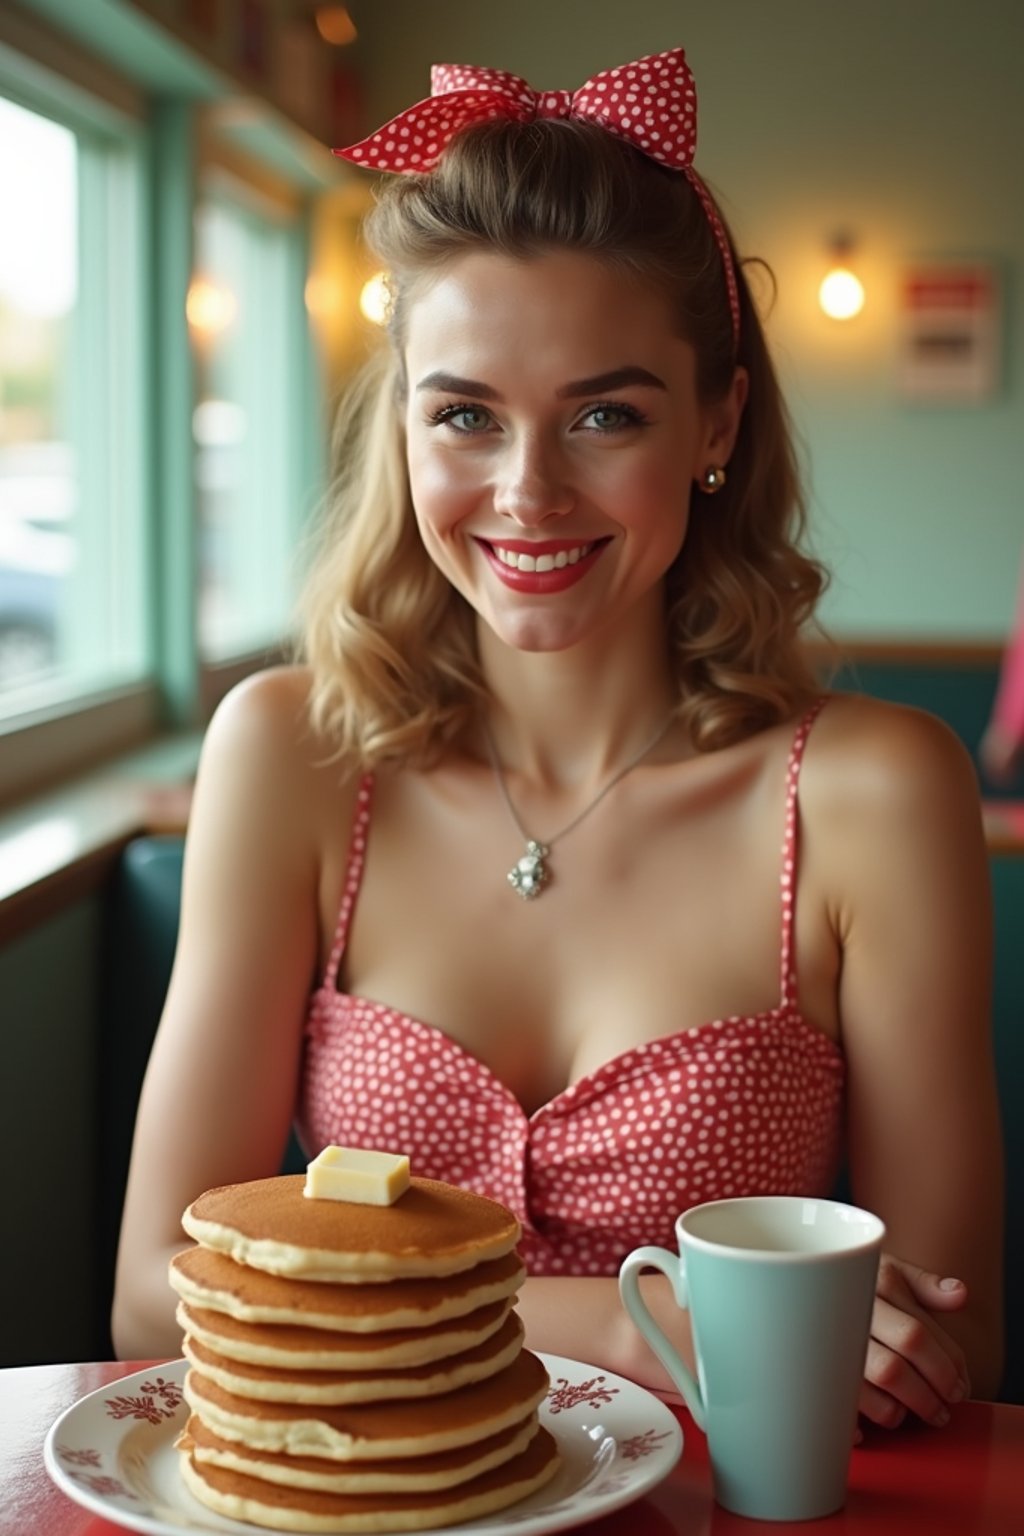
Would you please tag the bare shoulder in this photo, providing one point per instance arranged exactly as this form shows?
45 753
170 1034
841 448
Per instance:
262 759
265 721
891 814
269 711
868 757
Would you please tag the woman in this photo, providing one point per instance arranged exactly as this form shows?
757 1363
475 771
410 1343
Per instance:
553 726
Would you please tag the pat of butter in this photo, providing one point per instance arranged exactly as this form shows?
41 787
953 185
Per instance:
365 1178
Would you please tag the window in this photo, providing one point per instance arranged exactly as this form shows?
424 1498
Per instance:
244 311
158 455
72 488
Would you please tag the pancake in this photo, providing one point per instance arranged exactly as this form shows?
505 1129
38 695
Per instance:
356 1367
434 1229
293 1509
320 1349
417 1474
367 1385
373 1431
212 1280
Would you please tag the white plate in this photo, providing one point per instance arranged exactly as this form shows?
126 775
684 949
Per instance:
114 1452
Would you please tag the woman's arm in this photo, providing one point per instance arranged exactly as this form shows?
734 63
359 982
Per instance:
582 1318
219 1091
893 829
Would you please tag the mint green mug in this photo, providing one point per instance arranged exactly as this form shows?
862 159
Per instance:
780 1291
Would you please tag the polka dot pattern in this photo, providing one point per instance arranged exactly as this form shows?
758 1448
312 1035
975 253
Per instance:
737 1106
651 103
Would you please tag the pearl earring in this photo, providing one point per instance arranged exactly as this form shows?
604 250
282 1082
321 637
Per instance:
712 479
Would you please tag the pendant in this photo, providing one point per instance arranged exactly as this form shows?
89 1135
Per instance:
529 875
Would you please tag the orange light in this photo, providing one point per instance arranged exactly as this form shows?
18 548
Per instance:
841 294
209 308
322 298
335 25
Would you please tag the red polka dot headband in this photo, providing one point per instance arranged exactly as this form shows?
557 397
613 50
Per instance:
652 104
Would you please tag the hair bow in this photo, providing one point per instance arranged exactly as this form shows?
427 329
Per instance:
651 104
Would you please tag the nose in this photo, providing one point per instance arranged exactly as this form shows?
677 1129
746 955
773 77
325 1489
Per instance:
532 483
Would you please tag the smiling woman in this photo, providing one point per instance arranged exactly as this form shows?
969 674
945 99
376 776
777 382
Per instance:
516 460
501 204
559 599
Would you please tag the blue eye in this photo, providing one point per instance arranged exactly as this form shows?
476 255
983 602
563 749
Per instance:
469 419
613 417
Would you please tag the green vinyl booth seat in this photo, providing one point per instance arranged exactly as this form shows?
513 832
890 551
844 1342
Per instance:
141 935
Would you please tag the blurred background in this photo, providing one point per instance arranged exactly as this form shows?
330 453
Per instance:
184 295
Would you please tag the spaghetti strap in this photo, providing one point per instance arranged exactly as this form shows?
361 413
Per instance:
353 878
790 853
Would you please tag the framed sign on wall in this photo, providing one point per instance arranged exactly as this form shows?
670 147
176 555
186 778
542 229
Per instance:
950 334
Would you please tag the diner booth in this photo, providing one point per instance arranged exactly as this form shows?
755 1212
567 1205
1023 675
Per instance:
183 299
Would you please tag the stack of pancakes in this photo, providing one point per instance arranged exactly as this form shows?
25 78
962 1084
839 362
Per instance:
356 1367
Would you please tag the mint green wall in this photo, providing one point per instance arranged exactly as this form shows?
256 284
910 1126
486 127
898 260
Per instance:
901 121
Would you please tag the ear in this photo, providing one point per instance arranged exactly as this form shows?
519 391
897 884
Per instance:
722 425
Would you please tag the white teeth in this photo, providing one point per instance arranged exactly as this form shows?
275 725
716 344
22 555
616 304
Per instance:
524 562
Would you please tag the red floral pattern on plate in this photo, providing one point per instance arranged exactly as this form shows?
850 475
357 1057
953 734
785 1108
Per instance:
110 1487
83 1458
638 1446
145 1406
570 1394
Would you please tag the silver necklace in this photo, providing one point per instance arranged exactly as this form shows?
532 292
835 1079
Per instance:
530 874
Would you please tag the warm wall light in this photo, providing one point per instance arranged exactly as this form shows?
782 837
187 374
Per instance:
209 308
374 298
335 25
841 294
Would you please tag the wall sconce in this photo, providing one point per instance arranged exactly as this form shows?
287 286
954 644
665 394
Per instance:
841 294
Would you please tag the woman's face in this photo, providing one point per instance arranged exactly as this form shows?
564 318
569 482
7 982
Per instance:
553 434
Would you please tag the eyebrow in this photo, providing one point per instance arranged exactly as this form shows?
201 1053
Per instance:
616 378
599 384
451 384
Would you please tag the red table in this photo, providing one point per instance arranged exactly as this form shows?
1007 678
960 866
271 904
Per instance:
964 1480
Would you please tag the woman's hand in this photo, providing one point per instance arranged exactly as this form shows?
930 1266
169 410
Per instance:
912 1363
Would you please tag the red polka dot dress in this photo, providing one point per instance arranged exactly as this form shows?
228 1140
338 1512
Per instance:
736 1106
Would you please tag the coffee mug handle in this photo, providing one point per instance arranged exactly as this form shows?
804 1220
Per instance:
671 1267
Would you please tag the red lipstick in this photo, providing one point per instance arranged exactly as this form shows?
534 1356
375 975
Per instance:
540 582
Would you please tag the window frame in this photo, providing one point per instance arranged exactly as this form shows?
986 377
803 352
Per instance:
185 118
56 738
231 180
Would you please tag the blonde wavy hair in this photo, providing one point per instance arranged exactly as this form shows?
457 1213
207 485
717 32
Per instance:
391 644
